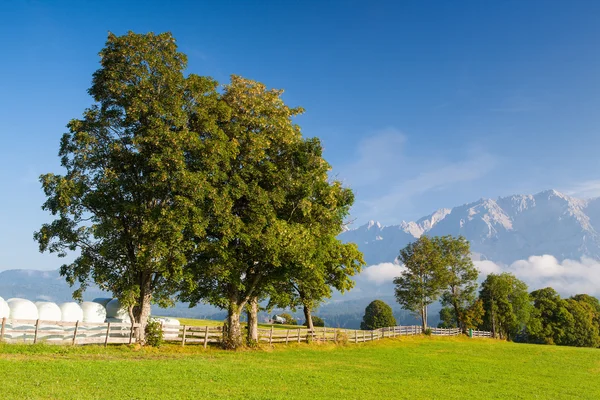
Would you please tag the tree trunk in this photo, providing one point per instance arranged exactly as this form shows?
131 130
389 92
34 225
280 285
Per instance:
141 310
424 318
459 323
233 331
252 311
308 316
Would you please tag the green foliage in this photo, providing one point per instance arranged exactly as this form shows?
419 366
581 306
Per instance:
506 303
154 334
274 215
546 323
289 320
579 325
316 321
460 292
377 315
424 277
447 318
128 201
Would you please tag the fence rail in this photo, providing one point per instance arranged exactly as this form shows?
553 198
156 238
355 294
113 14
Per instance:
35 331
214 334
58 332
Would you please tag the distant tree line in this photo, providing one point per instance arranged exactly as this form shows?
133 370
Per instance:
440 268
178 188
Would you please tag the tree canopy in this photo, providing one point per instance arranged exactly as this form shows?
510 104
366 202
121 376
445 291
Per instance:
174 185
377 315
128 198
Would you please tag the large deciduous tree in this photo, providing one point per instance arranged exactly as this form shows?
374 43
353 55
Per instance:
506 303
129 198
424 277
272 188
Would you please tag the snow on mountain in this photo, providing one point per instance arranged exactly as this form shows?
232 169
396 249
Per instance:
503 230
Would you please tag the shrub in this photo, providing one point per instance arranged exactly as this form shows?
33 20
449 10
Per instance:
427 332
341 337
154 334
377 315
289 320
316 322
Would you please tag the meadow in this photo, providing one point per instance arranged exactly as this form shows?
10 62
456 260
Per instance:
400 368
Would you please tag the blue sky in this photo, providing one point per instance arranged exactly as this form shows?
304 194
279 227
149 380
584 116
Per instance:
420 104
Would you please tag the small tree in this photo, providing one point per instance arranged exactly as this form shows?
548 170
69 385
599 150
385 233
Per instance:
424 277
460 292
377 315
289 320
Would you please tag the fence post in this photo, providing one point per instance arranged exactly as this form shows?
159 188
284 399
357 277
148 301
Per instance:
205 336
298 335
3 329
107 335
364 334
271 336
75 332
287 336
355 337
37 326
183 336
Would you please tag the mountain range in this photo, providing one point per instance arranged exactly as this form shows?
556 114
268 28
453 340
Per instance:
502 230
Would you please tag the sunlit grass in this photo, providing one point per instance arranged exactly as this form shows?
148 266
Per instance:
407 367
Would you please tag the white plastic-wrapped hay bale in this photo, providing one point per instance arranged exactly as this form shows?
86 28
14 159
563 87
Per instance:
48 311
102 300
4 310
22 309
93 312
71 312
115 311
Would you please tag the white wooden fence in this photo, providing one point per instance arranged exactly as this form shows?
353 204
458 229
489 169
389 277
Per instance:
214 334
36 331
57 332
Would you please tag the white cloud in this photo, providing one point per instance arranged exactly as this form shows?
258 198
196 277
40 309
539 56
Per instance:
382 273
388 176
568 277
587 189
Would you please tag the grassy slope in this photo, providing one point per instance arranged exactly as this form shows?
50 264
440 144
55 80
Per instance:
415 368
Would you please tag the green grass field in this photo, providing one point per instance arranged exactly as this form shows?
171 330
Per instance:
401 368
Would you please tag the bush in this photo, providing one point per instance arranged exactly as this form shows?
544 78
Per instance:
427 332
317 322
341 337
154 334
377 315
289 320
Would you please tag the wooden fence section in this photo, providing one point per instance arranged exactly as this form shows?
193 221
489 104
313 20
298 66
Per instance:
57 332
446 332
482 334
214 334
